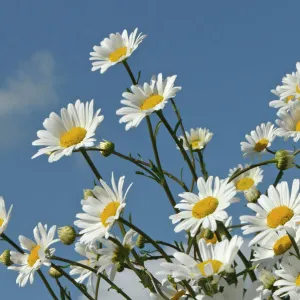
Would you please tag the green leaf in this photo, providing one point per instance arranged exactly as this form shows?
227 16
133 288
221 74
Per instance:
177 125
157 128
139 76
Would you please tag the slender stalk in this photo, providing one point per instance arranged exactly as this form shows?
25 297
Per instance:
74 263
97 287
178 143
90 163
62 289
278 178
202 165
12 243
270 151
296 152
169 245
129 72
191 243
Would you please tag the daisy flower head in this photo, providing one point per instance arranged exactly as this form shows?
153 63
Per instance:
73 129
289 122
246 180
198 138
89 252
4 215
115 49
101 210
258 140
39 253
206 208
279 210
281 103
172 291
142 101
112 255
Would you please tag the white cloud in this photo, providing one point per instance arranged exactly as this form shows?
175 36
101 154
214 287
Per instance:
31 86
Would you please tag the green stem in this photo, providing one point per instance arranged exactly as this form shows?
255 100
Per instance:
129 72
278 178
97 287
169 245
90 163
62 290
202 165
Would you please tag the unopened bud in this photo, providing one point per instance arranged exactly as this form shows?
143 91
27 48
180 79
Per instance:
252 194
107 148
284 159
54 273
208 234
267 279
140 242
120 266
88 193
67 235
5 258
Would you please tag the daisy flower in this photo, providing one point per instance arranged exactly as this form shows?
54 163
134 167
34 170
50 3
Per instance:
289 122
4 216
258 140
91 260
198 138
39 253
282 103
171 291
112 254
144 100
215 260
290 277
279 210
101 211
115 49
206 208
246 180
73 129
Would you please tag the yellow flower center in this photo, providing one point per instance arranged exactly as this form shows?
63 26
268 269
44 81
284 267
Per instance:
33 256
151 102
279 216
298 280
178 295
297 89
261 145
216 265
282 245
109 210
244 184
1 222
288 99
117 54
195 144
72 137
298 126
204 207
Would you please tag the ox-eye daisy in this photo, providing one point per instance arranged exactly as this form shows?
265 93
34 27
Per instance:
171 291
215 259
39 253
91 260
289 122
258 140
115 49
198 138
144 100
4 216
101 210
279 210
205 208
73 129
248 179
282 103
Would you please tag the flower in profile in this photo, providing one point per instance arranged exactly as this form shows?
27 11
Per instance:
206 208
281 103
289 122
115 49
113 256
73 129
171 291
246 180
101 211
198 138
142 101
216 259
89 252
279 210
258 140
39 253
4 215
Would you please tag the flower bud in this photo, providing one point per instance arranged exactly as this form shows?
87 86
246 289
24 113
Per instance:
120 266
267 279
107 148
252 194
88 193
284 159
208 234
67 235
5 258
140 242
54 273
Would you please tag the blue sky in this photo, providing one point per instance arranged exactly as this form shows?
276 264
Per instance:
228 55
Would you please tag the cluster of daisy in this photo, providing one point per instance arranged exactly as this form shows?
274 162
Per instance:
211 263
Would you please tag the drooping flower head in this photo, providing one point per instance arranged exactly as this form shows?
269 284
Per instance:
4 215
198 138
73 129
